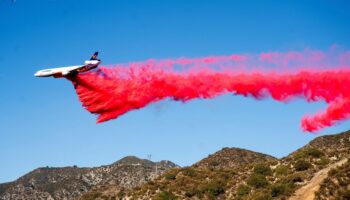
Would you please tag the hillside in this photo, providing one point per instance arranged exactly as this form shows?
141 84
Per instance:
72 182
233 173
233 158
337 185
307 191
315 170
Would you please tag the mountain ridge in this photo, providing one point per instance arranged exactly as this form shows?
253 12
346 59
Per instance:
230 173
234 173
72 181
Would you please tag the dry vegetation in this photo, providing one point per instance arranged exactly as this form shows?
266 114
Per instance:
230 173
245 175
337 185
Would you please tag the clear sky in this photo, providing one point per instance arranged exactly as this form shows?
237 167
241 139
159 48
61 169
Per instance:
42 122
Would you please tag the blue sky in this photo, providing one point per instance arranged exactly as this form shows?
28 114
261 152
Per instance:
43 123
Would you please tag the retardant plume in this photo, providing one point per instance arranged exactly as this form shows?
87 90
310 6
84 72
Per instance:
313 75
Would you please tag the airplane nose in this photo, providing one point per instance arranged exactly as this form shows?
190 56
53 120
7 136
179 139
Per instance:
37 74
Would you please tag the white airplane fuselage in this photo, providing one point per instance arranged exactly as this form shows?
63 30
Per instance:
65 71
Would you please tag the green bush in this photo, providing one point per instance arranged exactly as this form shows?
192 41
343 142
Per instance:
215 188
257 181
282 170
323 161
295 178
313 152
309 152
243 190
278 189
170 175
302 165
190 193
261 196
188 171
165 196
262 169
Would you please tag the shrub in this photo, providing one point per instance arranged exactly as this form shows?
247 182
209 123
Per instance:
91 195
277 190
302 165
190 193
187 171
261 196
214 163
170 175
313 152
257 181
341 180
289 182
333 172
262 169
215 188
165 196
323 161
345 194
121 193
243 190
296 178
282 170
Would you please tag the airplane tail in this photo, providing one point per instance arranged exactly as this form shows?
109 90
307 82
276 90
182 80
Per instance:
94 56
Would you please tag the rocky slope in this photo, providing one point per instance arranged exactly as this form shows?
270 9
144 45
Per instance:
233 158
234 173
307 191
337 185
230 173
72 182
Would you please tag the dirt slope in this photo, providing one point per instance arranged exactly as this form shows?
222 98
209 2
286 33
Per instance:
307 192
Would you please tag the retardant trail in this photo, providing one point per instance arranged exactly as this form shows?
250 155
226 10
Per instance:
111 92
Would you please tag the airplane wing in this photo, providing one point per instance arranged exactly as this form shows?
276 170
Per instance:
89 65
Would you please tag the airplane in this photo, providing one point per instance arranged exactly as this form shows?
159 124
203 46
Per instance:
70 70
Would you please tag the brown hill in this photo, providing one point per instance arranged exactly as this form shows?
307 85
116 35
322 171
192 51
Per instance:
307 191
230 173
72 182
234 173
233 158
337 185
